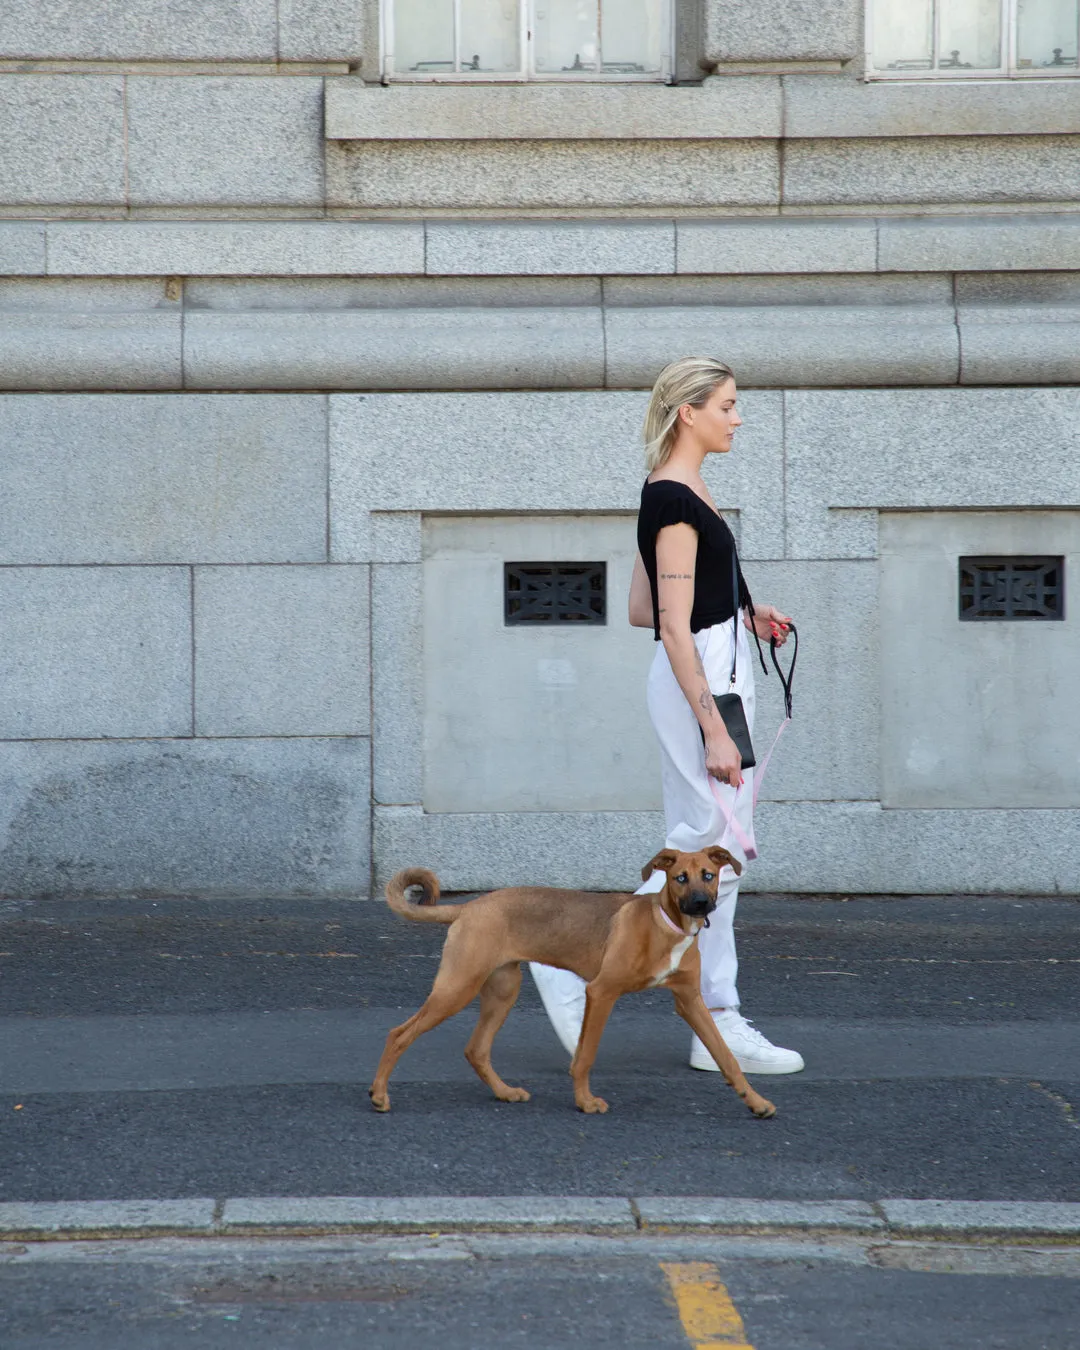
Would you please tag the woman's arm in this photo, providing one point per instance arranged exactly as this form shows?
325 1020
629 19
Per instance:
676 559
640 603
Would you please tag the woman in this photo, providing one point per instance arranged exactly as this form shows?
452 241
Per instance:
685 583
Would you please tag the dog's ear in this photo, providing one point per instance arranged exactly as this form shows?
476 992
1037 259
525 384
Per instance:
663 860
722 858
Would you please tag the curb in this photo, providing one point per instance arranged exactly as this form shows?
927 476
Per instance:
300 1216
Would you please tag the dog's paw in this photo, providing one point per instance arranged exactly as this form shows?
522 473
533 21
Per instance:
764 1110
379 1101
514 1095
592 1106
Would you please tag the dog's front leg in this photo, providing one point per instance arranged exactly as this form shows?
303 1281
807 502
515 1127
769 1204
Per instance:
691 1008
599 1001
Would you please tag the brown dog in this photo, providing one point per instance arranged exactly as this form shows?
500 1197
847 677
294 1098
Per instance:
619 943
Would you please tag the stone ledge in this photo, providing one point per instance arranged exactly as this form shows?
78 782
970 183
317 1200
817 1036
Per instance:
712 1213
707 247
1004 243
734 107
1021 344
529 1213
784 345
823 107
55 351
550 248
702 246
88 1218
234 248
571 348
819 847
966 1220
395 349
1004 1218
932 170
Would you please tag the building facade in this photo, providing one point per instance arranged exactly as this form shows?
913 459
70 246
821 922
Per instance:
326 331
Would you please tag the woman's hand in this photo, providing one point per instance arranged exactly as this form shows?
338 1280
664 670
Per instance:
769 623
722 759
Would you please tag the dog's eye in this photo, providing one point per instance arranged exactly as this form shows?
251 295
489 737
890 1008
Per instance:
707 876
682 878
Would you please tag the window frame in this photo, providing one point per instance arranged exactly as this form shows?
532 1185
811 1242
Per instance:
1008 70
527 74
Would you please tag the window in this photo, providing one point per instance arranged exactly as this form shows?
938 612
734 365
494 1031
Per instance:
917 39
486 40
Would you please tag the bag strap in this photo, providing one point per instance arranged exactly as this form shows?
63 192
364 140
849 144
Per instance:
734 615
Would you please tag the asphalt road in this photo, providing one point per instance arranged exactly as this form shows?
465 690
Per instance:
464 1294
168 1049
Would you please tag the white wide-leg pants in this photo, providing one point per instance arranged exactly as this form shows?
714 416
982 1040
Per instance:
693 818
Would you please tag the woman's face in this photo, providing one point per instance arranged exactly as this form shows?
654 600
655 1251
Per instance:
715 421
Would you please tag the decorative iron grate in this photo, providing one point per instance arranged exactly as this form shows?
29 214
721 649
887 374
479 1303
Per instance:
555 592
1012 588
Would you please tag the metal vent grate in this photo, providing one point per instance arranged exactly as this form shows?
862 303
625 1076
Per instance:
555 592
1012 588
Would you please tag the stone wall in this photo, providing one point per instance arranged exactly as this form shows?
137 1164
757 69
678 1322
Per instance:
264 324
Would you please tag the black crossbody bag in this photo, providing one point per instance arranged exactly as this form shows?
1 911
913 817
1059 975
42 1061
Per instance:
730 705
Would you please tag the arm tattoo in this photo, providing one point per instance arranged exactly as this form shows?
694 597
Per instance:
676 576
705 701
697 664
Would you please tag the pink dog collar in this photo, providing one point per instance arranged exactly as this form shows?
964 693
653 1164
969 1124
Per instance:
669 921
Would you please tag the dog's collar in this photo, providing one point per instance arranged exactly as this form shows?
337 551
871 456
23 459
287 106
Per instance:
669 920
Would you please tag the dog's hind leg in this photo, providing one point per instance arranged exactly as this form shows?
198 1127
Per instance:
452 990
497 997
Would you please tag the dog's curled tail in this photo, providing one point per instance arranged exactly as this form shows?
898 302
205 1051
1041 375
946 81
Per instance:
428 909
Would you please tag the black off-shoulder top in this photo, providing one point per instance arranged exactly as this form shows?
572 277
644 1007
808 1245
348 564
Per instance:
666 502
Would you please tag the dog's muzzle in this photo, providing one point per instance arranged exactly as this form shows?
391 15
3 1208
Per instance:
698 902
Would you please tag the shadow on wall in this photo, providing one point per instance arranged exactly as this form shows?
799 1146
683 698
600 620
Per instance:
255 819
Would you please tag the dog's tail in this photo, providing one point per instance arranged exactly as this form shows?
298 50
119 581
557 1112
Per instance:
428 910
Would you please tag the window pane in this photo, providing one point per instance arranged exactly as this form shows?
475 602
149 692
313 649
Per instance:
566 36
1046 33
903 35
423 36
489 35
970 34
631 42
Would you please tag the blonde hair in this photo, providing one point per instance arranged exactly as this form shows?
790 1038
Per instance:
691 379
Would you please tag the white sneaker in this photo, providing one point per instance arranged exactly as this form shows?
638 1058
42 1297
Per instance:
563 996
754 1053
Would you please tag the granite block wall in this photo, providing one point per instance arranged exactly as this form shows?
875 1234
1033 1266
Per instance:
264 322
184 677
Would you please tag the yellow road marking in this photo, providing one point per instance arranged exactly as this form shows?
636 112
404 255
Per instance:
710 1319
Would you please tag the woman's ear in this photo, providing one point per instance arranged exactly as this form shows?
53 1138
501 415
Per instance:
663 860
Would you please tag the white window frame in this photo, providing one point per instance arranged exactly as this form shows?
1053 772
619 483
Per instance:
1008 70
528 72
